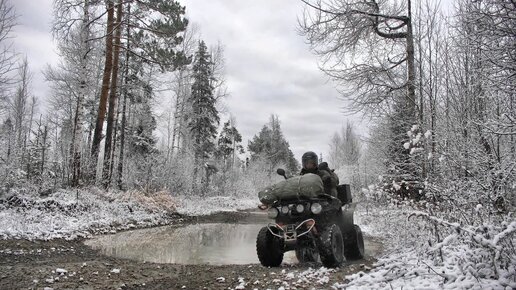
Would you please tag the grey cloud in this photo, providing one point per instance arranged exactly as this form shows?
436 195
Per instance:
32 38
34 14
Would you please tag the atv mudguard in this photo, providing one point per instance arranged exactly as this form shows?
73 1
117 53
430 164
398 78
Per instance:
345 220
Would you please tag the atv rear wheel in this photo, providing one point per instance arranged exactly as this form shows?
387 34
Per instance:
354 249
269 248
331 246
307 254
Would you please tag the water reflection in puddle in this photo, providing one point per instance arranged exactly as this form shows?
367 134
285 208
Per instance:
217 244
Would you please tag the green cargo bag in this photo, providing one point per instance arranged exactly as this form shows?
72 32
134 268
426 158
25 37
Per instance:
308 185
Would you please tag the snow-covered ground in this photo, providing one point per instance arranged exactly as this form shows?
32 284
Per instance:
70 214
414 260
421 251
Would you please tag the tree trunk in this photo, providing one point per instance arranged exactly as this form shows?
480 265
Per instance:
411 88
120 167
43 151
113 151
9 139
178 114
77 125
410 115
106 78
513 142
112 99
195 173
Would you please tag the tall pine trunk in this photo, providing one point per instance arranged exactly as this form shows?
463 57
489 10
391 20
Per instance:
106 78
113 151
120 167
106 178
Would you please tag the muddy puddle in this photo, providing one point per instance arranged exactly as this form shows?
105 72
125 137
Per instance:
216 244
207 243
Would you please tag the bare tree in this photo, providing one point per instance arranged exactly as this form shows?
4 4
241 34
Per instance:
368 47
83 79
181 84
345 153
7 56
19 104
74 80
430 38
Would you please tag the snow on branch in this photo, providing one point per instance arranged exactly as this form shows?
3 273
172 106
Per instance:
457 227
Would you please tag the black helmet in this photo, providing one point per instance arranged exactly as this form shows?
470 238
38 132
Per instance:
309 157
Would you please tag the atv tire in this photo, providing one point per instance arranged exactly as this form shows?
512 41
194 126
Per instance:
354 249
331 246
307 254
269 248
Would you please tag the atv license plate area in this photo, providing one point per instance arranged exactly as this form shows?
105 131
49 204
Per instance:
291 232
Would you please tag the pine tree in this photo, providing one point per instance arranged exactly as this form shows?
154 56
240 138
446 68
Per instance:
228 144
153 40
270 145
205 119
141 141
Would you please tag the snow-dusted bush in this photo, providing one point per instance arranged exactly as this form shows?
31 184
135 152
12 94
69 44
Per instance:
79 213
174 175
446 244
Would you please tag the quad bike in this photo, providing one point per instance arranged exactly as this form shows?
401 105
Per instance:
317 229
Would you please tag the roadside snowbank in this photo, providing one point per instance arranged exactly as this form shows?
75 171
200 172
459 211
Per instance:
415 260
71 214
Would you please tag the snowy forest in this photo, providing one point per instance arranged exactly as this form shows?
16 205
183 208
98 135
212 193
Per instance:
136 132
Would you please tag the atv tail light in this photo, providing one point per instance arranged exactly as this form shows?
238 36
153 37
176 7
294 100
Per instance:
284 209
316 208
272 213
300 208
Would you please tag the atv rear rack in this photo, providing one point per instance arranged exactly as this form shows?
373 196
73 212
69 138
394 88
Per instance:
289 232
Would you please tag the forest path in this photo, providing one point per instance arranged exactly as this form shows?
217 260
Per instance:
212 252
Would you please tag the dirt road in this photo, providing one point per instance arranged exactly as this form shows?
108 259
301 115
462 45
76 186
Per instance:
60 264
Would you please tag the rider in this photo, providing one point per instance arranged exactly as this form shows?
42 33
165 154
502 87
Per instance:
310 163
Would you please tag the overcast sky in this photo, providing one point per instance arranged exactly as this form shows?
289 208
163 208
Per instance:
269 68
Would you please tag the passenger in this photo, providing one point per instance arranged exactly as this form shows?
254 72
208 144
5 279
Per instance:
310 163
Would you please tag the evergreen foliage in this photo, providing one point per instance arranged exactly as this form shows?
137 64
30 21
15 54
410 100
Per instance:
204 119
228 142
270 145
141 140
157 26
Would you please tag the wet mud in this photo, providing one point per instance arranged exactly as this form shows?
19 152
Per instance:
216 252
